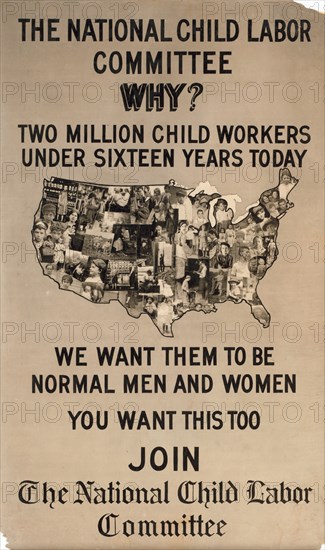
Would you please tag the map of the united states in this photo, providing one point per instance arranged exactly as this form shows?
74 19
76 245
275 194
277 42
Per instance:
160 250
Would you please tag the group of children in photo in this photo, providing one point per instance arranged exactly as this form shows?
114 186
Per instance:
161 249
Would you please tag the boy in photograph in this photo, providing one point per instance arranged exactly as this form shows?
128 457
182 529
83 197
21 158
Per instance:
224 259
39 234
48 215
240 268
66 281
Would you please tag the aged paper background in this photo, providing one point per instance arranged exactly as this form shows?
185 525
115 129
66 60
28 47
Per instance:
38 443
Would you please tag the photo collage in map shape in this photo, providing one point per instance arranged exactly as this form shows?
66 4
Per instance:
157 249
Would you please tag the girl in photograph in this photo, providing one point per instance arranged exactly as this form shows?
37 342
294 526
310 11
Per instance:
91 208
62 204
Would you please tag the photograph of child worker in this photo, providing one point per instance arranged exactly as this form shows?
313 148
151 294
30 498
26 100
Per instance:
249 289
48 214
162 257
218 290
109 219
66 281
76 266
258 266
240 268
286 183
47 252
184 247
59 246
150 306
98 210
180 202
69 227
150 203
222 214
128 294
259 215
97 246
90 214
271 202
145 244
39 233
52 250
165 315
121 275
63 203
194 287
92 287
235 289
125 242
50 246
147 280
159 233
200 209
165 231
62 193
270 228
92 203
49 270
224 259
259 312
202 240
118 199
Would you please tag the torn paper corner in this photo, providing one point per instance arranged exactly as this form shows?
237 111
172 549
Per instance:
317 6
3 542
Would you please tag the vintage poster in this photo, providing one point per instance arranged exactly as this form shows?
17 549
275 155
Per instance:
162 267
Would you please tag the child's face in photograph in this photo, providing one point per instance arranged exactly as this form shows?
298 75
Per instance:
39 235
56 235
252 264
48 216
245 254
73 217
93 270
